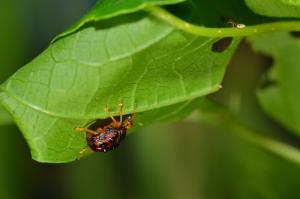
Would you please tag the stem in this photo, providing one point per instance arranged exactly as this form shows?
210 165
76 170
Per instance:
272 145
167 17
281 149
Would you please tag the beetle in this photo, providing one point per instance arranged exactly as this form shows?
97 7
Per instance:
107 137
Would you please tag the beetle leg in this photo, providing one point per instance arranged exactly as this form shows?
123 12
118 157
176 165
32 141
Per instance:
110 115
100 130
89 130
121 113
84 150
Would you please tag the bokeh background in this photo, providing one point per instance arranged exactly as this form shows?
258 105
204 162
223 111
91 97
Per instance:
191 159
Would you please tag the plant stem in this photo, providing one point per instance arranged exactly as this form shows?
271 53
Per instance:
272 145
222 32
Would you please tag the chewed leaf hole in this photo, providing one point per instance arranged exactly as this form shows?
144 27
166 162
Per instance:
222 44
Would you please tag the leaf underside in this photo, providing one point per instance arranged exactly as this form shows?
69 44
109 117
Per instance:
136 60
119 53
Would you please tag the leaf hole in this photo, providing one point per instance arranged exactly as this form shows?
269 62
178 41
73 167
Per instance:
221 45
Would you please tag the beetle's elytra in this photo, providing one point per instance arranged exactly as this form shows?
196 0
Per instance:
108 137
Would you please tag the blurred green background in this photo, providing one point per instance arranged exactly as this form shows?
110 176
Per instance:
189 159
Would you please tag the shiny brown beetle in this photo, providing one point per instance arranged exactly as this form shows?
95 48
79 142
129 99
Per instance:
109 136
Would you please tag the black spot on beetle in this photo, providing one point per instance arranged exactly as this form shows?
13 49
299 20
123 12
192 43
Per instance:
221 45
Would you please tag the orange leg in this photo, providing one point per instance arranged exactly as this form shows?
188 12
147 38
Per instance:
83 151
99 130
121 113
110 115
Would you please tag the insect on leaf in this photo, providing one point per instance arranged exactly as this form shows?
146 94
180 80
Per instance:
136 59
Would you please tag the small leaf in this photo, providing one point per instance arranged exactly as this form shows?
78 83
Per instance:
281 98
275 8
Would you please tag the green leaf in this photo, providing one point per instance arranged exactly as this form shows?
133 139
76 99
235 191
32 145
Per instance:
203 13
280 97
137 60
147 60
105 9
5 118
275 8
171 113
